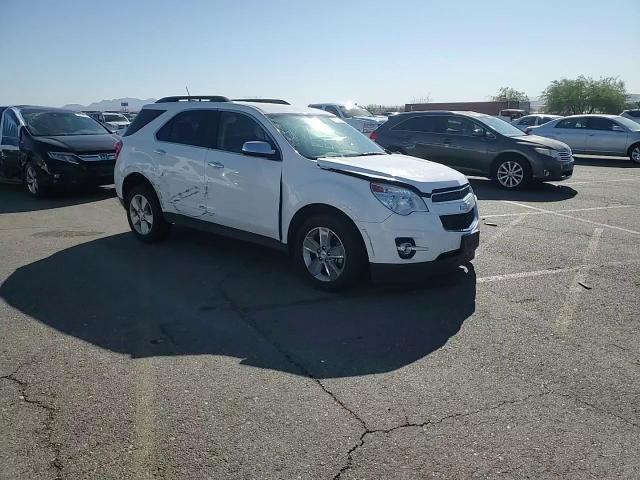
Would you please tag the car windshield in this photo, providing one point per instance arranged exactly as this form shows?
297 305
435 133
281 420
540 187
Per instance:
354 111
321 136
630 124
111 117
500 126
52 123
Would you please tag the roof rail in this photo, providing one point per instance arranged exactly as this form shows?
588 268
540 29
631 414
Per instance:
262 100
196 98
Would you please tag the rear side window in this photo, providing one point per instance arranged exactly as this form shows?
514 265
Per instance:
142 119
572 123
236 128
424 124
191 127
9 129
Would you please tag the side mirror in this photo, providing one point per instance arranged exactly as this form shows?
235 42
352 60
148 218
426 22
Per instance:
617 128
258 149
490 135
478 132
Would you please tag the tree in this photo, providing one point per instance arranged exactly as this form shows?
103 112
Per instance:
585 95
508 94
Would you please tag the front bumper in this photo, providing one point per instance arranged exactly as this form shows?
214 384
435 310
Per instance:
554 170
63 175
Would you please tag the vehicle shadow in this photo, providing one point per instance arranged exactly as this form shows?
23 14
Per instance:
485 189
198 294
14 199
618 162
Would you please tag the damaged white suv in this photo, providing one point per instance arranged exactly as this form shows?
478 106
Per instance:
295 178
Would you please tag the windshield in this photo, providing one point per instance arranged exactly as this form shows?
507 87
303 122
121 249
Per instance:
500 126
630 124
52 123
354 111
111 117
319 136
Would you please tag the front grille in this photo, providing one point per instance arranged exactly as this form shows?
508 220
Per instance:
450 195
565 156
459 221
98 157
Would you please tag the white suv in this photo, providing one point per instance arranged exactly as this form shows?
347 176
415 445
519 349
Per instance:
297 179
358 117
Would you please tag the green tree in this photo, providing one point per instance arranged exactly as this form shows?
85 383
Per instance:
508 94
585 95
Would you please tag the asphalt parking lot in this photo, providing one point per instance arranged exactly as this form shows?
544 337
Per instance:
206 358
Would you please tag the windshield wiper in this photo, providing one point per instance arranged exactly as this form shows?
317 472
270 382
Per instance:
367 154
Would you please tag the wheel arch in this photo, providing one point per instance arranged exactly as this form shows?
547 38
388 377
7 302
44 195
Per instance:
312 209
509 154
631 147
134 179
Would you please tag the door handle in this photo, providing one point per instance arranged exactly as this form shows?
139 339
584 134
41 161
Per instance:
215 165
160 152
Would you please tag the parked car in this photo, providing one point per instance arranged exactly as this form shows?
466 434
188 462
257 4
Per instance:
632 115
511 114
595 134
533 120
358 117
114 121
297 179
50 147
477 144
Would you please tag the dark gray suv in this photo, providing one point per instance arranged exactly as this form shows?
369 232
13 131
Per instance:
477 144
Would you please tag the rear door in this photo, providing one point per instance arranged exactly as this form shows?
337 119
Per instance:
9 144
462 149
243 191
572 131
421 136
602 138
179 154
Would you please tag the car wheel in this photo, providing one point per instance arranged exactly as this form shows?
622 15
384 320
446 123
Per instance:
634 154
512 173
145 215
33 181
329 252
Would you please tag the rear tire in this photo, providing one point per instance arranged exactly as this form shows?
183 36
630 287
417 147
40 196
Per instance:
634 153
512 173
145 215
329 253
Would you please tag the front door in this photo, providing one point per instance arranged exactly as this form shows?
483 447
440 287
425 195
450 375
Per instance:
573 132
602 138
464 150
180 156
9 145
243 191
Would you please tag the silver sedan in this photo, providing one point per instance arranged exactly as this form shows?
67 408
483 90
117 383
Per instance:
595 135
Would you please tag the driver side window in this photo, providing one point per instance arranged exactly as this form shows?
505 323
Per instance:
236 128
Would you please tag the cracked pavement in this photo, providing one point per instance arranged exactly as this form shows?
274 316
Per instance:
207 358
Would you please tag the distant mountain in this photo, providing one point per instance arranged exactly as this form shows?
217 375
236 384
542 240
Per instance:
135 104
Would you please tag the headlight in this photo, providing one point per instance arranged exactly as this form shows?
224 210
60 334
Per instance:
397 199
548 152
63 157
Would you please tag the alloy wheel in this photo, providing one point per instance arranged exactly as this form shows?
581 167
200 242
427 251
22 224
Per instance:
324 254
32 180
510 174
635 154
141 214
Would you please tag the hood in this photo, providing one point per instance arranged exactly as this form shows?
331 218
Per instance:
422 174
81 143
537 141
375 119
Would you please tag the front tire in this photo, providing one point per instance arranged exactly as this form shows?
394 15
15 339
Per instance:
32 180
512 173
145 215
634 153
329 253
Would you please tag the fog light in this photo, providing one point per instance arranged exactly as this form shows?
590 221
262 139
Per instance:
406 247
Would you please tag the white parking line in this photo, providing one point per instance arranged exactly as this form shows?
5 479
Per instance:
553 271
587 182
575 289
570 210
604 225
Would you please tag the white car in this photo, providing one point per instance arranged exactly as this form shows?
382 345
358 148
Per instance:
534 120
297 179
358 117
114 121
632 115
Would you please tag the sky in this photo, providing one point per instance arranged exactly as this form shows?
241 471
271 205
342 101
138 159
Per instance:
81 51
